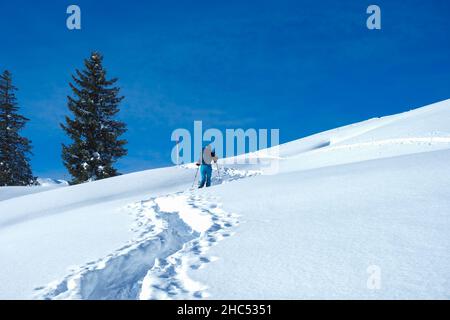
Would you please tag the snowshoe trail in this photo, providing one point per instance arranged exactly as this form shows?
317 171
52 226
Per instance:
169 279
172 236
117 275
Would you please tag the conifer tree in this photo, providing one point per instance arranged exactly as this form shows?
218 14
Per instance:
94 131
15 169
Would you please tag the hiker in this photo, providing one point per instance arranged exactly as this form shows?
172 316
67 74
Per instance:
207 156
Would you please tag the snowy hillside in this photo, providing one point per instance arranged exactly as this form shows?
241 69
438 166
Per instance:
374 193
42 185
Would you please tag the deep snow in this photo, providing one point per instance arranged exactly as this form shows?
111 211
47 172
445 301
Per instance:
369 194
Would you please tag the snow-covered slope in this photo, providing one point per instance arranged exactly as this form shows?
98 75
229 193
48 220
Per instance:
315 233
43 184
343 202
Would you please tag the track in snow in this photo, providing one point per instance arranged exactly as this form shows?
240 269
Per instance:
155 263
168 278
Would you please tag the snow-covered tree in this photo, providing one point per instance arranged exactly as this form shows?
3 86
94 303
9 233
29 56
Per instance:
94 131
15 169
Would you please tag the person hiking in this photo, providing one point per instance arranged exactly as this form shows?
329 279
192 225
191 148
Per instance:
207 156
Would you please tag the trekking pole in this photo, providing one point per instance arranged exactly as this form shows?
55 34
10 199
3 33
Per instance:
218 171
195 178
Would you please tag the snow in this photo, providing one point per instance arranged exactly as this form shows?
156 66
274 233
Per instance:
342 203
45 184
341 221
95 155
199 221
48 182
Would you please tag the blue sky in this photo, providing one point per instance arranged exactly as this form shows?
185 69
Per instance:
300 66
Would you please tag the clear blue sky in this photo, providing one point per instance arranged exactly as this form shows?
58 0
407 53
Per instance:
300 66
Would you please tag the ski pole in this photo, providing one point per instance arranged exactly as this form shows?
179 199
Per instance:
218 171
195 178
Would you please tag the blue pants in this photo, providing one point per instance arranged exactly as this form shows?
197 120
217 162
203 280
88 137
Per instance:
205 175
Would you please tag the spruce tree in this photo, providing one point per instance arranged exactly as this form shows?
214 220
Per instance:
15 169
94 131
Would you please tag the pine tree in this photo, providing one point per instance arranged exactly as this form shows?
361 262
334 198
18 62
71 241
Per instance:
93 130
15 169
